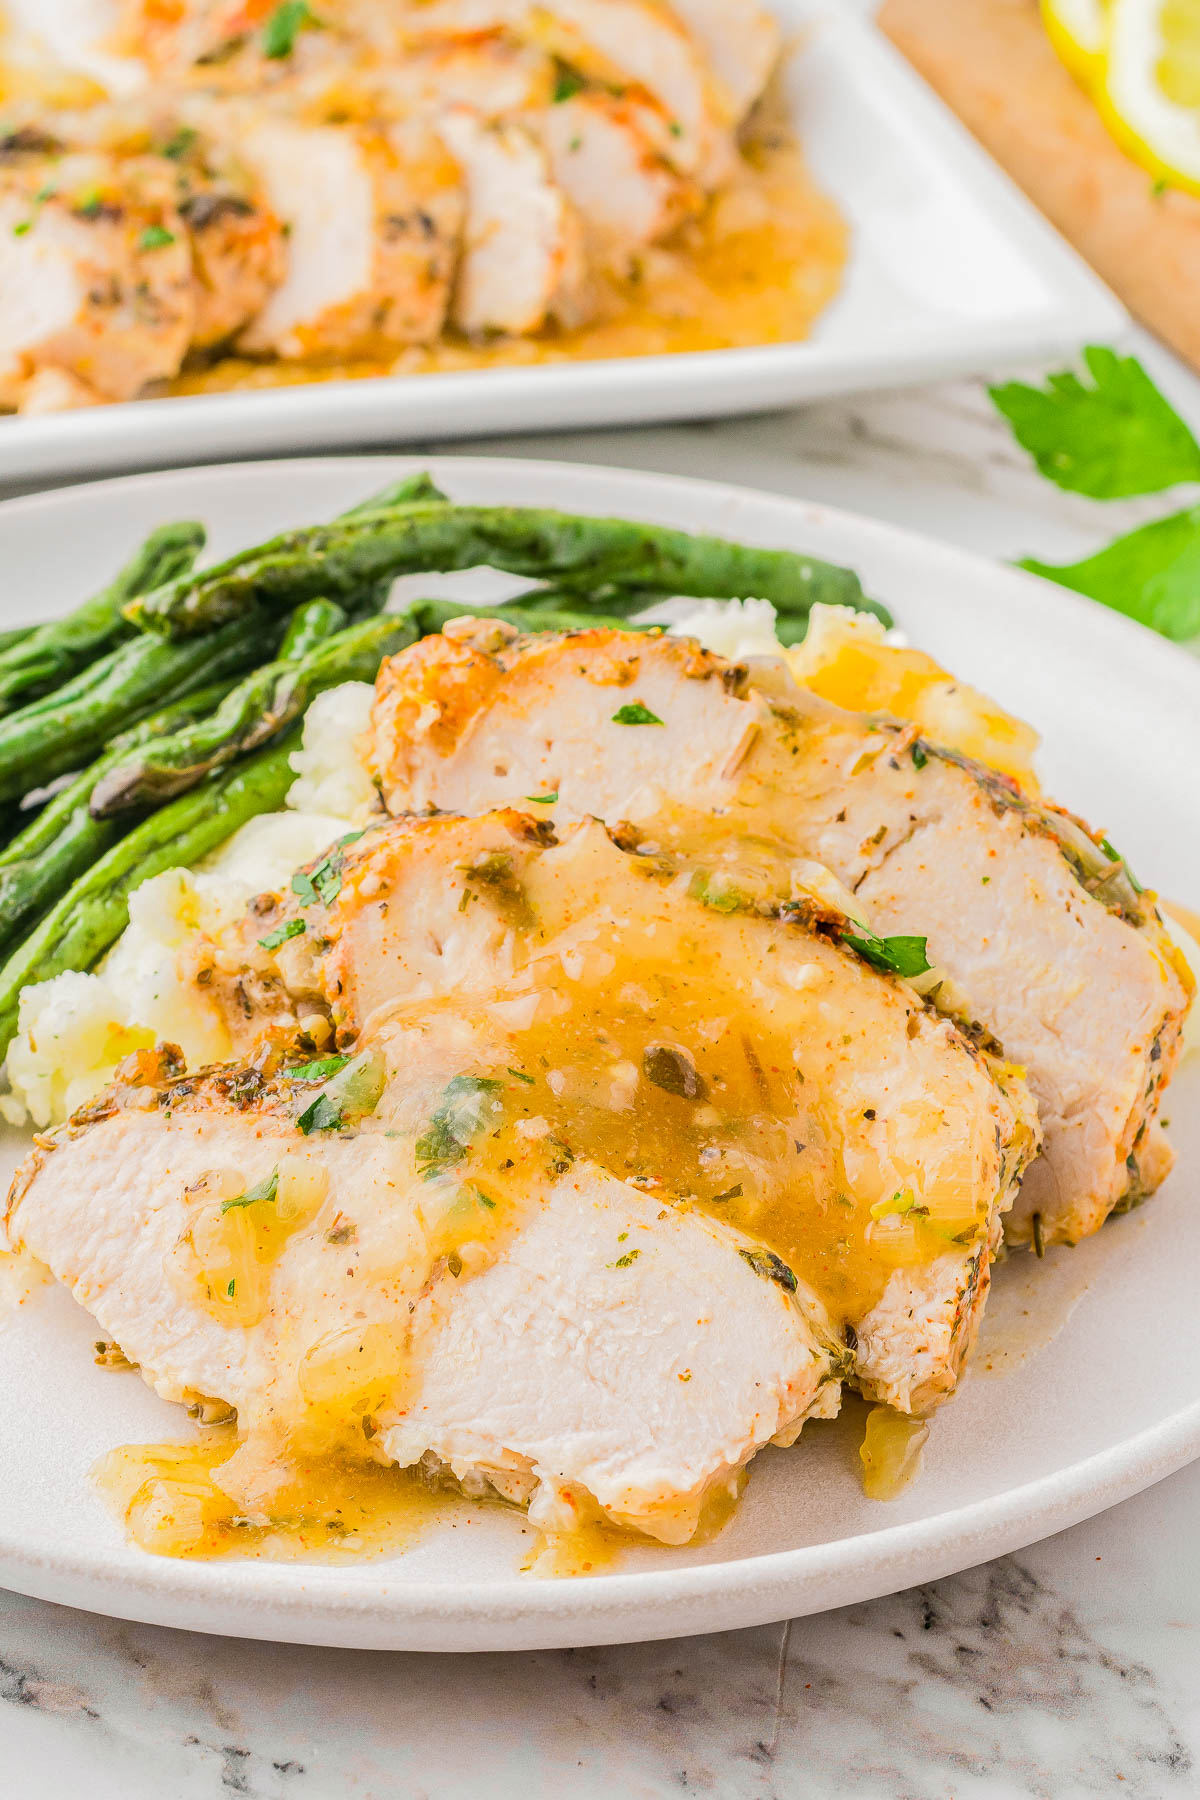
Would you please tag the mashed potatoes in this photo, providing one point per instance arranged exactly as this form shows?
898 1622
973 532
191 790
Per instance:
76 1029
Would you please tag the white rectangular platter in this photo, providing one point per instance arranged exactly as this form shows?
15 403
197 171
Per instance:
951 272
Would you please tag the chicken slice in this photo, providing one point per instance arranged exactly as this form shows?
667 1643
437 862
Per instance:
685 1011
523 258
373 222
742 40
616 44
651 1319
1044 939
493 75
614 174
236 1260
239 252
95 274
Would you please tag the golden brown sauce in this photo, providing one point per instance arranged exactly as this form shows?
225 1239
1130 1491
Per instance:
891 1452
759 267
653 1060
332 1509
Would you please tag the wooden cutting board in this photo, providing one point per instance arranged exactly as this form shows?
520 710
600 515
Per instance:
991 61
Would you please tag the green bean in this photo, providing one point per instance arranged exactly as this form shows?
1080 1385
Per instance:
63 839
433 615
54 652
94 911
410 490
65 729
344 557
256 710
311 624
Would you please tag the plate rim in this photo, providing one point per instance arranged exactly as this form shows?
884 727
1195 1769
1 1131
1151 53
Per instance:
274 1601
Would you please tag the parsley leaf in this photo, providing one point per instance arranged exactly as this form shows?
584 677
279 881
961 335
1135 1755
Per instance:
155 237
627 1261
543 799
894 955
567 83
290 928
322 1114
635 713
1151 575
284 27
323 882
1115 437
354 1089
469 1103
320 1070
266 1189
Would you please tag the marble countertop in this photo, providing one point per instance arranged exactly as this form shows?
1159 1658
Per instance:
1071 1669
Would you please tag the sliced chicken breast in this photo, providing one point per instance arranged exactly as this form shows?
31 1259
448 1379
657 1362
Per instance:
741 39
373 224
493 75
618 44
522 260
95 275
614 174
1042 937
705 1031
569 1344
239 251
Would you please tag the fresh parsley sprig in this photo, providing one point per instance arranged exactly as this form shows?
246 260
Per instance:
1110 439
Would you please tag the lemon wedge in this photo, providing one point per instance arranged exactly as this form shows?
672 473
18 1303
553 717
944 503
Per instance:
1078 29
1150 93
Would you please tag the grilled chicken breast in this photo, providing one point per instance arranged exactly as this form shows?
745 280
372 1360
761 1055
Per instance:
706 1032
373 223
522 260
1043 938
612 168
95 274
570 1342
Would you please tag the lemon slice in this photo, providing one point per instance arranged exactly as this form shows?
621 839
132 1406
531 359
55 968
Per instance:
1078 29
1150 96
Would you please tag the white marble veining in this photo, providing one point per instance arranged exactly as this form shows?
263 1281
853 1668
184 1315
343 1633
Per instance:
1069 1670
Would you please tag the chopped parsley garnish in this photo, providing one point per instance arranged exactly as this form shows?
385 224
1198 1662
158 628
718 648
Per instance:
733 1193
320 1070
543 799
322 1114
485 1199
355 1089
265 1190
1109 439
468 1105
520 1075
21 227
155 237
179 143
290 928
894 955
567 83
626 1261
920 755
771 1268
634 713
231 1289
284 27
323 882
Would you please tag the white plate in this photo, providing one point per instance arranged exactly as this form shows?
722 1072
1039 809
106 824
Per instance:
1099 1348
952 272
